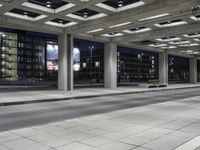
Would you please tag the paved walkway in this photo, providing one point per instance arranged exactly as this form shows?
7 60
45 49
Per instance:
32 96
163 126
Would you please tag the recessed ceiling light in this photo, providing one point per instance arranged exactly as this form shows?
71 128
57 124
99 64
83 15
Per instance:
96 30
137 30
170 23
112 34
196 18
1 5
119 25
158 45
194 35
154 17
179 42
120 3
85 14
168 39
60 24
169 47
25 14
198 40
48 4
188 45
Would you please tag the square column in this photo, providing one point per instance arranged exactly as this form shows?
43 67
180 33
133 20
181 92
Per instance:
193 70
65 62
163 67
110 65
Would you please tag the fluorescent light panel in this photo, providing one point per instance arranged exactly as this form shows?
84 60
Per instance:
195 18
59 24
171 24
138 31
198 40
179 42
158 45
25 17
119 25
192 36
114 35
154 17
188 45
168 40
96 30
169 47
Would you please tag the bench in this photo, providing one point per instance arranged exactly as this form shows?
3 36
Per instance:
155 84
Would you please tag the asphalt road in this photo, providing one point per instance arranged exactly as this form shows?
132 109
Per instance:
18 116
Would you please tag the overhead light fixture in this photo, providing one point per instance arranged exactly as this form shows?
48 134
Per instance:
158 45
25 14
196 18
48 4
194 35
60 24
1 5
179 42
188 45
96 30
112 34
137 30
154 17
169 47
168 39
120 3
61 21
85 14
170 24
119 25
198 40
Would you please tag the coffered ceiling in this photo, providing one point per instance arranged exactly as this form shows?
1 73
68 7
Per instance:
158 25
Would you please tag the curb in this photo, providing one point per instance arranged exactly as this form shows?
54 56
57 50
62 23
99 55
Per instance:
88 96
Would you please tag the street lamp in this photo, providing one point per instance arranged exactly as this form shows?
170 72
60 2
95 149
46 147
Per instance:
91 50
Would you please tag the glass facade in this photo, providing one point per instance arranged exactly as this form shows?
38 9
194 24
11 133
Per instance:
9 56
178 69
24 56
198 70
135 66
88 63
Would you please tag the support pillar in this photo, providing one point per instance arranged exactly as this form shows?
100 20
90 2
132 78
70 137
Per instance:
65 62
163 67
110 65
193 70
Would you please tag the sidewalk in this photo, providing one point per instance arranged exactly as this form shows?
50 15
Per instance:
172 125
36 96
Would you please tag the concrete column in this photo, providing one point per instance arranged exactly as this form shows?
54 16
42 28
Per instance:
110 65
193 70
65 64
163 67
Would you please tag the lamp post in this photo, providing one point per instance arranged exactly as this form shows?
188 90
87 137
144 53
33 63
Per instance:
91 50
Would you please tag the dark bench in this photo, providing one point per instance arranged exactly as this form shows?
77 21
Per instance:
155 84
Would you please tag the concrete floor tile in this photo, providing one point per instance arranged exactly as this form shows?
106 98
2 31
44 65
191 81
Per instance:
57 142
137 141
18 144
76 146
96 141
117 146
